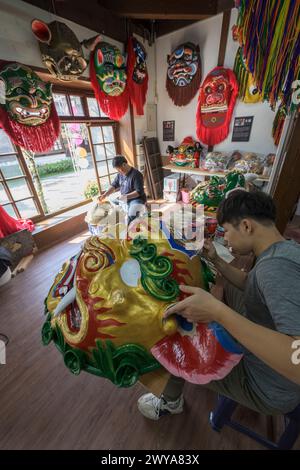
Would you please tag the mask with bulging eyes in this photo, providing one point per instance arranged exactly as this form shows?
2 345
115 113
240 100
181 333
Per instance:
184 73
61 51
27 111
216 102
27 98
109 79
105 310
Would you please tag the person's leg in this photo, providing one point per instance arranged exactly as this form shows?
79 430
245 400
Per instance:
234 385
170 401
136 207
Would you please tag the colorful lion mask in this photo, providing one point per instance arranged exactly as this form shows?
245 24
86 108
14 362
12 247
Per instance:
186 154
108 78
210 193
27 111
184 73
216 102
105 311
137 74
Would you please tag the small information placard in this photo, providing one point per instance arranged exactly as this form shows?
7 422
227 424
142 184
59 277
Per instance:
242 129
168 131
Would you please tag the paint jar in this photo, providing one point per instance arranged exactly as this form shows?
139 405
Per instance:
185 196
210 226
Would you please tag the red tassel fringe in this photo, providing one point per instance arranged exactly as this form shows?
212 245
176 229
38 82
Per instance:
34 138
137 92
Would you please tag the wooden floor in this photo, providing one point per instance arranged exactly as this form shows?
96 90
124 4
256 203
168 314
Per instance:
44 406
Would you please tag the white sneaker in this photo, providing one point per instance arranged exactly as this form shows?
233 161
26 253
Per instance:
153 407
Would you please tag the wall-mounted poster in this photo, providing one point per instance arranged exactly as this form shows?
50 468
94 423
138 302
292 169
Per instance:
168 131
242 129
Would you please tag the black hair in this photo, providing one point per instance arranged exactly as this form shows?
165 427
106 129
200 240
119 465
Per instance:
241 204
118 161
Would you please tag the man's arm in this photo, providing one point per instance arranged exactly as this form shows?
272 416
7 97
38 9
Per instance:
114 187
138 184
279 351
276 349
234 275
107 193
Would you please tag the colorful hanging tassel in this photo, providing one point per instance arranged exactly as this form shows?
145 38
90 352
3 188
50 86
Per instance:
271 45
279 123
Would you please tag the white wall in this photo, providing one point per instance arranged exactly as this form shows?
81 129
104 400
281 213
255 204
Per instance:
18 43
207 34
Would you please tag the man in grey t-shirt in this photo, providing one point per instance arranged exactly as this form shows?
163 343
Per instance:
263 314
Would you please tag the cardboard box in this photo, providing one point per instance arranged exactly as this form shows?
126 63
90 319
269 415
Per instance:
172 196
172 183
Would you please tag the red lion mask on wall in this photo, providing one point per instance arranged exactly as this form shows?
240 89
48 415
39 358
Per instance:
216 101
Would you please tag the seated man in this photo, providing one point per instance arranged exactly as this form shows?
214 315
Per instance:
131 184
263 313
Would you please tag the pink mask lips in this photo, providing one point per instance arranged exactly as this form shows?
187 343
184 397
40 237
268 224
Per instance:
198 353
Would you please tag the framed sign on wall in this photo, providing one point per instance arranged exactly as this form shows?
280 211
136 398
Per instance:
168 131
242 129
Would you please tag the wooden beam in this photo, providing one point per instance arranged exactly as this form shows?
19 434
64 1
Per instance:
168 26
222 46
224 37
127 137
287 191
225 5
89 14
162 9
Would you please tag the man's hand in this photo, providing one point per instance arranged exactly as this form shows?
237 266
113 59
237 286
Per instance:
123 198
209 251
101 198
199 307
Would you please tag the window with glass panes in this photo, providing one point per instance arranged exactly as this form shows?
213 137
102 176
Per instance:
103 136
17 195
104 149
82 154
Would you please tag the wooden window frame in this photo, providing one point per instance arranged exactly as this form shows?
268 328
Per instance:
99 121
26 176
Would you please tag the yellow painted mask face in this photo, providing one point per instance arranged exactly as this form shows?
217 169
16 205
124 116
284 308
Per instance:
114 293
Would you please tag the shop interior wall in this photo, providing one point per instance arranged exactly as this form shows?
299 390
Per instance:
207 34
19 44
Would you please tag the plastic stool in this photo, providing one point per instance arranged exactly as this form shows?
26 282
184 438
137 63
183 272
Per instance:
221 416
